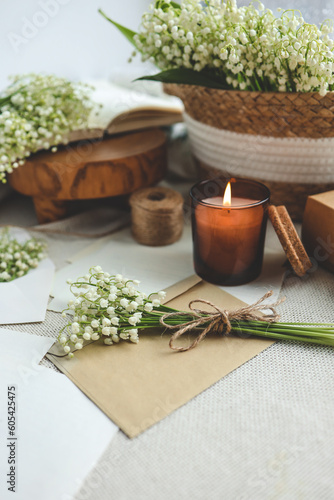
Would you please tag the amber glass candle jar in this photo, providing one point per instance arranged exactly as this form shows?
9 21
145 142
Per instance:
229 224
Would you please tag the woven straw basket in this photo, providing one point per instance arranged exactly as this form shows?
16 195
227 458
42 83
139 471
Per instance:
285 140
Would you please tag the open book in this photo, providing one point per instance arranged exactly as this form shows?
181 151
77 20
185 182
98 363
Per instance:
125 110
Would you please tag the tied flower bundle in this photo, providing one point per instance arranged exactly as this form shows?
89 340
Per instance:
16 259
217 44
110 307
37 112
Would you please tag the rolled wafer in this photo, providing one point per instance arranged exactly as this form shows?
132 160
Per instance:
289 239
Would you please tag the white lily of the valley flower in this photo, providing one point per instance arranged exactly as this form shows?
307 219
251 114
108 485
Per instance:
104 303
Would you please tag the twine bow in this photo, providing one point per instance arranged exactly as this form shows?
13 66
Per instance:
218 321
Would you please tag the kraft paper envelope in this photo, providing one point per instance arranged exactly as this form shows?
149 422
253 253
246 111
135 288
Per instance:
137 385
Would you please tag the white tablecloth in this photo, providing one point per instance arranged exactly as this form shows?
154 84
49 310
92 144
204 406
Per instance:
262 432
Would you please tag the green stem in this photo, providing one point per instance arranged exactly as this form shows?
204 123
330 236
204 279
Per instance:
286 327
277 336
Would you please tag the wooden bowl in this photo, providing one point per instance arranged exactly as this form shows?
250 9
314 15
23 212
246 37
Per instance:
91 169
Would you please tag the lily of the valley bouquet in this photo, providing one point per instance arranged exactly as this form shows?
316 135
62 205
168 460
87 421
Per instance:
215 43
38 112
109 308
17 259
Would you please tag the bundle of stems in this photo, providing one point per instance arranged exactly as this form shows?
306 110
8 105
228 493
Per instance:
313 333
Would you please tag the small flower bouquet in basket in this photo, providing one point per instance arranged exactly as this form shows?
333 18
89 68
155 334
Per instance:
228 47
257 90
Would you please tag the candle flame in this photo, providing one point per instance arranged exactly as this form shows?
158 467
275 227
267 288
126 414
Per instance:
227 196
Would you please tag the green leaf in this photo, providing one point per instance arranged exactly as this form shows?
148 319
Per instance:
4 100
188 77
165 6
7 99
129 34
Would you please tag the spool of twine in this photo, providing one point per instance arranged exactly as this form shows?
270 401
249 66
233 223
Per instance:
157 216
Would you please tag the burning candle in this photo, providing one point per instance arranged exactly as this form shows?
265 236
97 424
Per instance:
229 224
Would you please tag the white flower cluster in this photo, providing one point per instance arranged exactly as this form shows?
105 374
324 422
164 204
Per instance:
37 112
108 307
246 48
16 259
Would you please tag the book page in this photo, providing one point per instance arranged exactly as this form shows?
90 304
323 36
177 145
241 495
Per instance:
117 101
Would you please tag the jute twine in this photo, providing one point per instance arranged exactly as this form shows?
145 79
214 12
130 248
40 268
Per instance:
157 216
218 321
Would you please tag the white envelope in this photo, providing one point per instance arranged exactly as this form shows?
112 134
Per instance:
60 434
25 299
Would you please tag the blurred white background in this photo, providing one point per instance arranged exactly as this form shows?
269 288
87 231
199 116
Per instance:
67 37
70 38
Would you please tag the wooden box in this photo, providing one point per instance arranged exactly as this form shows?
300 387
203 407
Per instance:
318 228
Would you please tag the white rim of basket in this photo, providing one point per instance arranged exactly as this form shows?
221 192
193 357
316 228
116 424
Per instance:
283 159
